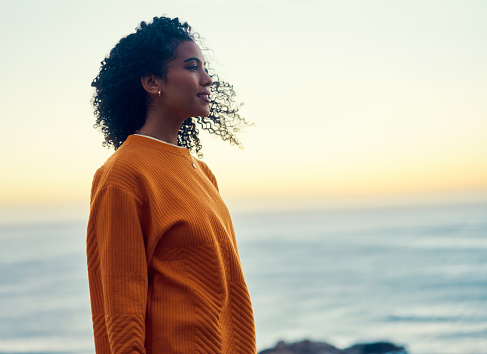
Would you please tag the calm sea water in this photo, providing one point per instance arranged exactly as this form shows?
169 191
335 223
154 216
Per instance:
414 276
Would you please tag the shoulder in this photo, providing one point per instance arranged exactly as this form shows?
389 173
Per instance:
207 171
124 169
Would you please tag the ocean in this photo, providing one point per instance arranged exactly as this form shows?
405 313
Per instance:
416 276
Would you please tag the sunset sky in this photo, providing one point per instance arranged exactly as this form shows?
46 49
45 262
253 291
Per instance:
354 102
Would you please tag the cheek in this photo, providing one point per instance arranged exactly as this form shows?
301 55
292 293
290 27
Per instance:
186 87
185 79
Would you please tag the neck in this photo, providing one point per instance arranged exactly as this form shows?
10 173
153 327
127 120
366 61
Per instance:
161 127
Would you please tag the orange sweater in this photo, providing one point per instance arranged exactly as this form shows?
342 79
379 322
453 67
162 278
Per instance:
164 270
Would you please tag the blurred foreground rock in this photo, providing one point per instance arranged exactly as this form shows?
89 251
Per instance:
309 347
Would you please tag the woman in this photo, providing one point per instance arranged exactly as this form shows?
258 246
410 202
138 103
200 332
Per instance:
164 269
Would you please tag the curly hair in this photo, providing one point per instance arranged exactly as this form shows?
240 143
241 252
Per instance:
121 102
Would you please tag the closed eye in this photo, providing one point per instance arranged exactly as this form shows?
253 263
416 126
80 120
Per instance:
196 68
197 65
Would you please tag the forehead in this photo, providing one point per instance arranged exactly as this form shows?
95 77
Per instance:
188 49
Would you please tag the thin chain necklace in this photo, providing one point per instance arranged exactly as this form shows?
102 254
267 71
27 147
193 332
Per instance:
140 132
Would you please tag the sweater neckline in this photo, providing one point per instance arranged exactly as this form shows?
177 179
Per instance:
153 137
159 144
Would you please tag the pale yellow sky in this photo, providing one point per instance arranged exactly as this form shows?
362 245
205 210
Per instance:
351 99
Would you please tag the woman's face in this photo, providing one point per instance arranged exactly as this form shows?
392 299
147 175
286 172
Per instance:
185 91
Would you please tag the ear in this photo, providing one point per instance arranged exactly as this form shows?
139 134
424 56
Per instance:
151 84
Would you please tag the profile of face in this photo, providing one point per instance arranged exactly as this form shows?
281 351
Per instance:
185 91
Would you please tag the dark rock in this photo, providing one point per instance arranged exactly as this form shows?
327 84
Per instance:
304 347
310 347
375 348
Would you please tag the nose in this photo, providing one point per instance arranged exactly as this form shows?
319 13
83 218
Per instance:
206 80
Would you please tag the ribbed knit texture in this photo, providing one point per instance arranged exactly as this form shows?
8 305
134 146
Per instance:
164 270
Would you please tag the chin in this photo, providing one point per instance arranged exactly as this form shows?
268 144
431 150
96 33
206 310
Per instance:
205 113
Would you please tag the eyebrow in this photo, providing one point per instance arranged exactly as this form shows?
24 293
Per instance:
191 59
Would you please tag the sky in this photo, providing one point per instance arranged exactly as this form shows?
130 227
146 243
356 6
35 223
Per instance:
354 102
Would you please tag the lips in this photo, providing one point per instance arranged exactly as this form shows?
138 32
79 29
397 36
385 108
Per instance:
204 96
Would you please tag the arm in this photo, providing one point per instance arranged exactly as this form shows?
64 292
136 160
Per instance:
117 271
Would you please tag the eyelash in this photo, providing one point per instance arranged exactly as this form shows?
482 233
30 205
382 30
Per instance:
195 68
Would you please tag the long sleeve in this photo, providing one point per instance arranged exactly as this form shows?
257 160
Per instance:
118 271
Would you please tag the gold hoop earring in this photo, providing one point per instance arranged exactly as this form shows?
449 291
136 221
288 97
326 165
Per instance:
159 93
